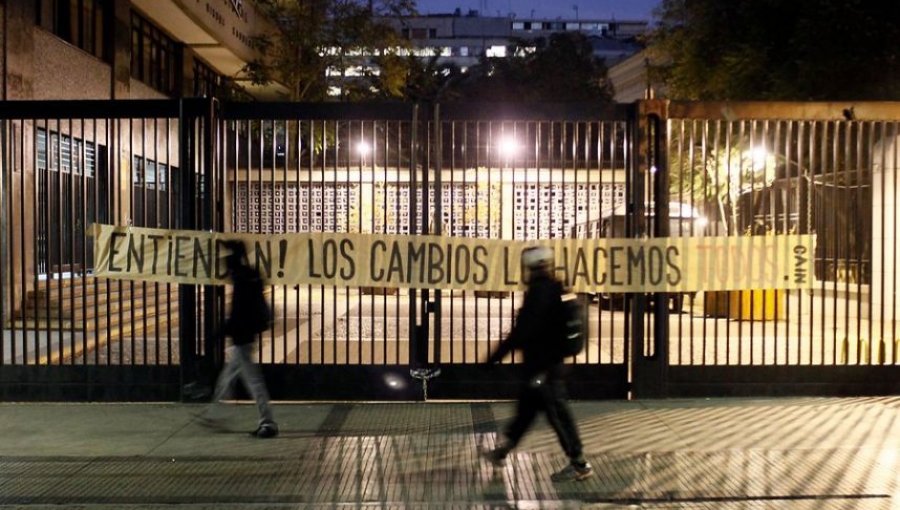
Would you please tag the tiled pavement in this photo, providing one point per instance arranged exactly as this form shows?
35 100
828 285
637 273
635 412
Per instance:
663 454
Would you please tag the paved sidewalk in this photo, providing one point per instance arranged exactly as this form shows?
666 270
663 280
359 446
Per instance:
810 453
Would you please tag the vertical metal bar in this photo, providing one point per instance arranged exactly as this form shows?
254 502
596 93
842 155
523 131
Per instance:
112 181
835 246
157 178
814 212
413 207
347 185
861 256
68 212
298 148
438 168
842 254
7 148
22 239
309 207
169 223
785 207
381 149
82 164
132 182
145 170
11 214
727 126
359 220
284 230
60 207
880 128
803 208
605 165
453 229
385 185
401 150
896 160
476 155
187 333
41 226
662 216
705 193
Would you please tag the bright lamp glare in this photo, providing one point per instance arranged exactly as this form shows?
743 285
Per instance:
363 148
702 222
759 155
509 147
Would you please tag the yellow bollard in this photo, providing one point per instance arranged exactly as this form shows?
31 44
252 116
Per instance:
845 346
863 351
882 351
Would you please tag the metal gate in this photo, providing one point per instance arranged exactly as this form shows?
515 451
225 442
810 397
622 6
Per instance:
451 170
66 165
493 171
755 169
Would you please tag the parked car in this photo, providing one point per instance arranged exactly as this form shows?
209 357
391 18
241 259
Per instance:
684 220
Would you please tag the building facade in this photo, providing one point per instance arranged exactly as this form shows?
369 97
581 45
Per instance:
128 49
462 39
631 79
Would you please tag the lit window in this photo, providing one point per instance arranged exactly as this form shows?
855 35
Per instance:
496 51
518 25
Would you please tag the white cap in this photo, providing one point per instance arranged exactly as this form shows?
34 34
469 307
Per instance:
537 256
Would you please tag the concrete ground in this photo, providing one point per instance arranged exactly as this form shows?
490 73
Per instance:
802 453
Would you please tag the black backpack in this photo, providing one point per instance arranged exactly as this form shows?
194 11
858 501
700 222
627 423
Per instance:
572 324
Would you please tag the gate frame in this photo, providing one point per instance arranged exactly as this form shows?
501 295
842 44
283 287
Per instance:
683 381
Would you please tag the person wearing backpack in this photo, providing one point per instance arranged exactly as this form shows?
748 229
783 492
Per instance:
250 315
539 333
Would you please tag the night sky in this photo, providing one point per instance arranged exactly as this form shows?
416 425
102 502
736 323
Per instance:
604 9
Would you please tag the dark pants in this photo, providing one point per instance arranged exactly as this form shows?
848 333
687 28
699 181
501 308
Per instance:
550 397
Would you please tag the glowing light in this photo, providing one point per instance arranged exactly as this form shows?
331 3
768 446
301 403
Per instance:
508 146
364 148
759 156
394 381
701 222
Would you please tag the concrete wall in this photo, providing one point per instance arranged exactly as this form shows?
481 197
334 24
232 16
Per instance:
62 71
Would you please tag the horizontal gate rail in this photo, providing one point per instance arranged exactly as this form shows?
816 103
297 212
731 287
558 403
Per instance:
104 109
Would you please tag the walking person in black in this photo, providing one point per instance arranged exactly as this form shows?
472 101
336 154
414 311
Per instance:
536 334
249 316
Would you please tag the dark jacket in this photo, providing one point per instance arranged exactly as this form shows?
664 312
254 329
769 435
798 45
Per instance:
250 313
537 328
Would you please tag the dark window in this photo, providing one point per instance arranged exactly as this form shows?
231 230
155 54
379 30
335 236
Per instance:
82 23
207 82
155 58
72 193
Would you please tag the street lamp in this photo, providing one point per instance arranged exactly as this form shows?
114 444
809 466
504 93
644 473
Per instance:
364 148
509 147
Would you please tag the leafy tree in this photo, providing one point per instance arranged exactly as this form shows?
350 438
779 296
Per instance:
778 50
314 37
561 68
432 80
